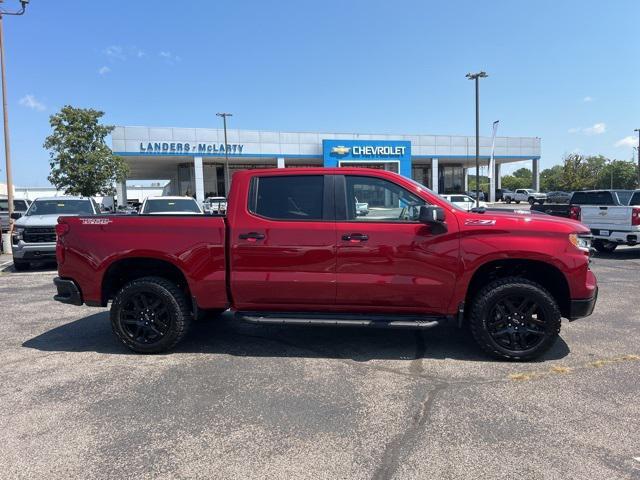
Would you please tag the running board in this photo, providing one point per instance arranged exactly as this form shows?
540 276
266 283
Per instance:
341 320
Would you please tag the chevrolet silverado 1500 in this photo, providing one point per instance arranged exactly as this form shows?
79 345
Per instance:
292 249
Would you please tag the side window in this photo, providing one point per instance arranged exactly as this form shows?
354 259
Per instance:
288 197
635 200
371 199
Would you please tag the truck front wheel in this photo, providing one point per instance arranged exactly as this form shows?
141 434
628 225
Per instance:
150 315
604 246
515 319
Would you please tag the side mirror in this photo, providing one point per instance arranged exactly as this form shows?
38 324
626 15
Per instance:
431 214
16 215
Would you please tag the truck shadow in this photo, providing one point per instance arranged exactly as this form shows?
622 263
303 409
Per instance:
230 337
631 253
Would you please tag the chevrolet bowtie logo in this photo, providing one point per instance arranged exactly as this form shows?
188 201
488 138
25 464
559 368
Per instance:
340 150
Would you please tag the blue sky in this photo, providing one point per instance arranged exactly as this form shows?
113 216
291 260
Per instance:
566 71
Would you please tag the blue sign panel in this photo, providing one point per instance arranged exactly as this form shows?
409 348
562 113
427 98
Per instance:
343 152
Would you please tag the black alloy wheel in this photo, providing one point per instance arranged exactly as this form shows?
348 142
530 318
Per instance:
144 317
150 315
515 319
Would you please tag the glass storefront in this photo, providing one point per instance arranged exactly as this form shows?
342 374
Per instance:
422 174
450 179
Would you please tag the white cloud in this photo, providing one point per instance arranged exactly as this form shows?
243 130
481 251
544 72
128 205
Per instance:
115 52
104 70
30 101
169 57
595 129
628 142
587 99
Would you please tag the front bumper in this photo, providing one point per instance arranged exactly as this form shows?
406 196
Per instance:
68 291
34 251
582 307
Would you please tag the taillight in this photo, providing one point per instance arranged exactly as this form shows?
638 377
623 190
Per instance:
574 212
62 229
635 216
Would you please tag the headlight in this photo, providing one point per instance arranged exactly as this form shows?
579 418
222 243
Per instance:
16 235
581 241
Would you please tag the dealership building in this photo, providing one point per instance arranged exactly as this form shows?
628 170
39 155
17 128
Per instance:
193 159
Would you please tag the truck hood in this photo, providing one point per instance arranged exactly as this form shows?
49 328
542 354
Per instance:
526 220
39 220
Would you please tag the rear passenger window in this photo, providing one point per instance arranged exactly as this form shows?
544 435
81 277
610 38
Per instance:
635 200
592 198
288 197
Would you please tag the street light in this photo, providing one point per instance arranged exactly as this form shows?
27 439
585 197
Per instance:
638 130
7 149
476 77
226 152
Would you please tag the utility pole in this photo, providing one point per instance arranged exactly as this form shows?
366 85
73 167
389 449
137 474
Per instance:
5 111
638 131
227 179
476 77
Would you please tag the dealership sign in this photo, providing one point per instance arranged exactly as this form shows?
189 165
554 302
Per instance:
342 152
190 147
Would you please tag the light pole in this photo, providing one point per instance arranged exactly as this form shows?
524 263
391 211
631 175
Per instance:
226 153
476 77
5 111
638 130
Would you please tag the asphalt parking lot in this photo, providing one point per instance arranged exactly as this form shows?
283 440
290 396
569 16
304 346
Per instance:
240 401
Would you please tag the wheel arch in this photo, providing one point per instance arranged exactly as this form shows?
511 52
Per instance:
124 270
547 275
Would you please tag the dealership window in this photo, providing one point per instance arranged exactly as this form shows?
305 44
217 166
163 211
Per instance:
450 179
288 197
422 174
372 199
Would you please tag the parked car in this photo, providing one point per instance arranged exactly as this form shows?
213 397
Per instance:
525 195
558 197
612 216
170 206
215 205
463 201
472 194
292 250
34 235
500 192
362 208
19 206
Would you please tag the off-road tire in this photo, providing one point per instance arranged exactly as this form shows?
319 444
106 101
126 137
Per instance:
486 299
532 200
603 246
173 300
21 265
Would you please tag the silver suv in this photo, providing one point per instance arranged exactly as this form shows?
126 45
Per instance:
34 234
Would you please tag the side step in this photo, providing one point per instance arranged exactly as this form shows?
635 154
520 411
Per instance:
342 320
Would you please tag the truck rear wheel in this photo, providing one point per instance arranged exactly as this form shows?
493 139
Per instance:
150 315
515 319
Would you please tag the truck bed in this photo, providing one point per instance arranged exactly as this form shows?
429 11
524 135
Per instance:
194 244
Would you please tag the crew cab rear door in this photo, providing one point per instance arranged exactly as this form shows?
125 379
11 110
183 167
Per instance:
283 244
387 260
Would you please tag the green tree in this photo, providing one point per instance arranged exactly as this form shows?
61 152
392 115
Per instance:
521 178
618 174
81 162
551 178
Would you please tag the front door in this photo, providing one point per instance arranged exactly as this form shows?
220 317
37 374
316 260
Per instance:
387 261
283 247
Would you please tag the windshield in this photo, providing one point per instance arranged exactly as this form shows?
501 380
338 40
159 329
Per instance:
171 205
18 205
60 207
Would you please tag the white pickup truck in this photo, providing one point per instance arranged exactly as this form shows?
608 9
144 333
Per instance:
525 195
613 217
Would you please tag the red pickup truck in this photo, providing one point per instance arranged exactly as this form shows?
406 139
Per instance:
294 249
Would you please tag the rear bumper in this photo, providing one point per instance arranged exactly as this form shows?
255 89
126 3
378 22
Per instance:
582 307
68 291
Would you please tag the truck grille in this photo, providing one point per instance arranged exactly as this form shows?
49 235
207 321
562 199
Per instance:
39 235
